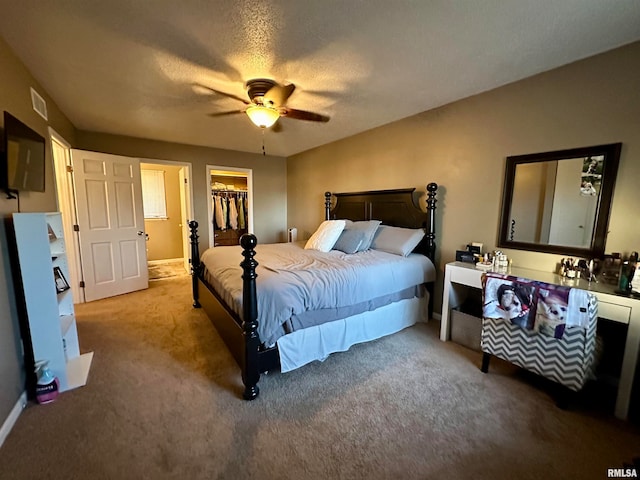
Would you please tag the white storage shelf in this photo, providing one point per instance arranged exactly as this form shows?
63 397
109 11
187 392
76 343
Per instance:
52 323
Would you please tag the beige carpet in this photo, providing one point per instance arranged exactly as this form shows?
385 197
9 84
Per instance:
162 402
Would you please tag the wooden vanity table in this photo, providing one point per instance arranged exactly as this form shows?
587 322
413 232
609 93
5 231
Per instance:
461 276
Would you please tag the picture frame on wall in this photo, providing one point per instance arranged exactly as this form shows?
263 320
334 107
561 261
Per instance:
61 282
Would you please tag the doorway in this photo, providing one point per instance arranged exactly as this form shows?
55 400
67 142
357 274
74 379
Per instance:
167 204
231 190
65 198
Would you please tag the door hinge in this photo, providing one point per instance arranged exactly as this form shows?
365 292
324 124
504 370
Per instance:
82 284
69 169
186 181
76 228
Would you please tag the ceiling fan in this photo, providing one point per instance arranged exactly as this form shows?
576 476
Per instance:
267 103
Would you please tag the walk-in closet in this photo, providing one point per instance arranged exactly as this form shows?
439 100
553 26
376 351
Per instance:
230 207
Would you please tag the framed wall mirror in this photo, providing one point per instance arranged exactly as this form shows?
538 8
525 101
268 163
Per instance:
558 202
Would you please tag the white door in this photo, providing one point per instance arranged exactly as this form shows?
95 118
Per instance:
570 224
111 222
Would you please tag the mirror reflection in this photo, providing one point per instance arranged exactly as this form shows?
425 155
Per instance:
555 202
559 202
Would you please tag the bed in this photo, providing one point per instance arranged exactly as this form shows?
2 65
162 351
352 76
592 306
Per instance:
265 301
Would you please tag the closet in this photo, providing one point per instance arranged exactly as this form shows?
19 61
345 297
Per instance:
230 207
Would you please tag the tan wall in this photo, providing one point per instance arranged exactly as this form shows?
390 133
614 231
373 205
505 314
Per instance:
463 147
15 97
165 236
269 177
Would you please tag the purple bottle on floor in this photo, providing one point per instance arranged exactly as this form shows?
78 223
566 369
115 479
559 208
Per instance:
48 385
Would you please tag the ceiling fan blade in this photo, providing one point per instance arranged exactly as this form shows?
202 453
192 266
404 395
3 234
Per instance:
219 92
302 115
224 114
277 95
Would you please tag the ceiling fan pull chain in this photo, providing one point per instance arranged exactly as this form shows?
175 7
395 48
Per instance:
263 152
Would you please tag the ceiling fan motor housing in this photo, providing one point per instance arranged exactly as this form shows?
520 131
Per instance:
258 87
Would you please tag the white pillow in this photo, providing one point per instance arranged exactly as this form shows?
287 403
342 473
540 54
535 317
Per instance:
400 241
325 237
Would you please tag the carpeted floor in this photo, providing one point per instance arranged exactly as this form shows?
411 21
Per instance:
163 402
158 271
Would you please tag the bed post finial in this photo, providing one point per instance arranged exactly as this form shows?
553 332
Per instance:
250 367
327 205
432 188
195 261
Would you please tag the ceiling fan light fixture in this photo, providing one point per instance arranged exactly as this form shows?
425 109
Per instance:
261 116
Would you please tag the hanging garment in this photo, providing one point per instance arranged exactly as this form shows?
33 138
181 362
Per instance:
225 212
242 224
219 213
245 204
233 214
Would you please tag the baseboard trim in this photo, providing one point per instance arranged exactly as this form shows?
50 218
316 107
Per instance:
13 417
436 316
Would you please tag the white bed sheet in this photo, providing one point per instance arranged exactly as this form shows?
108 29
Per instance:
318 342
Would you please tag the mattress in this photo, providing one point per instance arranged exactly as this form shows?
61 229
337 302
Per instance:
296 287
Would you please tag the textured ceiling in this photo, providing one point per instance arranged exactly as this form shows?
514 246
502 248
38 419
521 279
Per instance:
128 66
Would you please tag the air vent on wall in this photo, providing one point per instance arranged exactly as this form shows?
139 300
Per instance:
39 105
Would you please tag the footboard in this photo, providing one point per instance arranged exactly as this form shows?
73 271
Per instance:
240 334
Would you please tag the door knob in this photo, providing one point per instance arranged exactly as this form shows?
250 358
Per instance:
140 232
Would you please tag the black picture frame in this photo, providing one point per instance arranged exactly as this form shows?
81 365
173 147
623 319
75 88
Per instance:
61 282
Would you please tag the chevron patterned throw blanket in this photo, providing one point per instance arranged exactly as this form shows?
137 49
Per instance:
538 306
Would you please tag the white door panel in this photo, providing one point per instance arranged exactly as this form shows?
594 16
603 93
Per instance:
101 263
128 250
110 216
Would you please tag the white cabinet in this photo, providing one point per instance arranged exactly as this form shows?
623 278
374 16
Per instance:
48 297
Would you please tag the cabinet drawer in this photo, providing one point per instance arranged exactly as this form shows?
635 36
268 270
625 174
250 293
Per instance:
466 276
611 311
